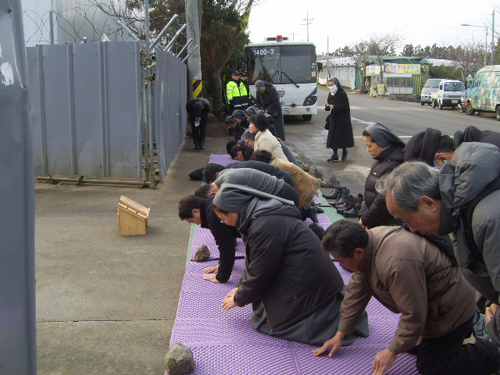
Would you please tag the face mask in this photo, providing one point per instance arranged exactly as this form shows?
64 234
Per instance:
333 89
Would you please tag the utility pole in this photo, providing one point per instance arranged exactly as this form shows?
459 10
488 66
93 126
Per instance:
308 22
493 38
194 12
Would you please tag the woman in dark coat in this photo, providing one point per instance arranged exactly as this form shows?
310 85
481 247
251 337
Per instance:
386 149
295 290
339 120
268 100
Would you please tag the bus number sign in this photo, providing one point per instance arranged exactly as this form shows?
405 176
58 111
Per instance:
263 51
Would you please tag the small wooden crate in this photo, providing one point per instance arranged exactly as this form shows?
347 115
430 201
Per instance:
132 217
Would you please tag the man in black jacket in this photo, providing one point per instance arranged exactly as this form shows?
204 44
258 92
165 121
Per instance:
200 211
198 110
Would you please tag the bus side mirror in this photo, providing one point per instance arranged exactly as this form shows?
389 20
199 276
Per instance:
320 67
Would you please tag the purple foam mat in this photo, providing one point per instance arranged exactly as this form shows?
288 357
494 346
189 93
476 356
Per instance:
225 342
222 159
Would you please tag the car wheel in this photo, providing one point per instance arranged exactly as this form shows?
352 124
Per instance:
422 103
469 110
497 112
434 104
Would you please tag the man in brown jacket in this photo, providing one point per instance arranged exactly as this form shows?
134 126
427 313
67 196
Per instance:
409 275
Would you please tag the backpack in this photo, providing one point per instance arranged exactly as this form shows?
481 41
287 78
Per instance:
466 224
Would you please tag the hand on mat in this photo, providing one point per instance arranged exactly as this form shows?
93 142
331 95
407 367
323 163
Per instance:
383 360
335 343
213 269
490 311
211 277
228 302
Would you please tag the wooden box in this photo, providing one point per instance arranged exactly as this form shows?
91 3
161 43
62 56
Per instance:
132 217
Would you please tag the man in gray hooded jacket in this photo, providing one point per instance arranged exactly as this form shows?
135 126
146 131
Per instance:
432 201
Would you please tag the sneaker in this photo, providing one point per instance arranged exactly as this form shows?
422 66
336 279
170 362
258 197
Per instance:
333 158
332 183
479 328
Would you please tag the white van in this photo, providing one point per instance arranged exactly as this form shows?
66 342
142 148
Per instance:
448 94
430 86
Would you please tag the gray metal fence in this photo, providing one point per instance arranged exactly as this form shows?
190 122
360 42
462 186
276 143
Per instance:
86 109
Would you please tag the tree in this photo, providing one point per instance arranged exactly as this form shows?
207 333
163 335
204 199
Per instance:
362 52
222 33
470 56
382 45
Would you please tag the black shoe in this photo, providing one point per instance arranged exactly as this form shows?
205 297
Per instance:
333 194
344 155
333 158
343 196
333 182
353 212
202 145
197 144
320 210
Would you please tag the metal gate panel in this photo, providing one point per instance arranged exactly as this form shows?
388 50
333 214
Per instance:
86 109
170 108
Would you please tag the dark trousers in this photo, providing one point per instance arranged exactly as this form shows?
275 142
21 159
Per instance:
199 131
447 354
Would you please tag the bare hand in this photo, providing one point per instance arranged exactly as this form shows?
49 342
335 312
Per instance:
213 269
490 311
383 360
335 343
228 302
197 118
211 277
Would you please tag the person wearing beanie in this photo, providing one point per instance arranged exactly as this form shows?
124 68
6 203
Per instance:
268 100
241 122
423 146
339 121
386 149
264 139
198 110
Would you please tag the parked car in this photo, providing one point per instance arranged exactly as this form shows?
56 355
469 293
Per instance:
430 86
448 94
483 92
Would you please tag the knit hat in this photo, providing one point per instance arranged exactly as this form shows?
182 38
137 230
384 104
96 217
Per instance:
260 83
230 120
423 146
239 114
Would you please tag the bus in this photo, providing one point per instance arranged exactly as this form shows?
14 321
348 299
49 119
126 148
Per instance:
291 68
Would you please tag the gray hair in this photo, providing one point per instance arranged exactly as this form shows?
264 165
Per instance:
408 183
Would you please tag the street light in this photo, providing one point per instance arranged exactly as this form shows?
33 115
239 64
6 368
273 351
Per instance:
486 39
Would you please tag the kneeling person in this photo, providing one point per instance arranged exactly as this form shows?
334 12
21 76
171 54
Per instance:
409 275
295 290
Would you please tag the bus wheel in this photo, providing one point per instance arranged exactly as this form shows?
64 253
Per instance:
497 112
307 117
469 110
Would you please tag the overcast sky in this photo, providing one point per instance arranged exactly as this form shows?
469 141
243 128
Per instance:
423 22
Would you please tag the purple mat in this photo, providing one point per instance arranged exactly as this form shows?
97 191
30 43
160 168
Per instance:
223 159
225 342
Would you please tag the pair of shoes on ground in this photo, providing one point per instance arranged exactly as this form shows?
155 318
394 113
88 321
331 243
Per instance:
199 145
332 183
351 207
335 157
340 195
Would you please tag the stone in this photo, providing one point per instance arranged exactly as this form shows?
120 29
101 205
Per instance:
202 253
179 360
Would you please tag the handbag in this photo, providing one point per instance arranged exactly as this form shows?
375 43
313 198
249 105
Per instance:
327 124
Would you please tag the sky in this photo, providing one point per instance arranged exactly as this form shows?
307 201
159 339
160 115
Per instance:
335 23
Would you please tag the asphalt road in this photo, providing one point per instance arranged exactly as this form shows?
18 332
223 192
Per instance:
404 118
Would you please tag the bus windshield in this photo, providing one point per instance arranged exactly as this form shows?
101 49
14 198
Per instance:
281 64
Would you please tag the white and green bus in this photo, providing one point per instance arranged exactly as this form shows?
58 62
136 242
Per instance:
291 68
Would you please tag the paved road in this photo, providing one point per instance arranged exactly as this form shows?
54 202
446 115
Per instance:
405 118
